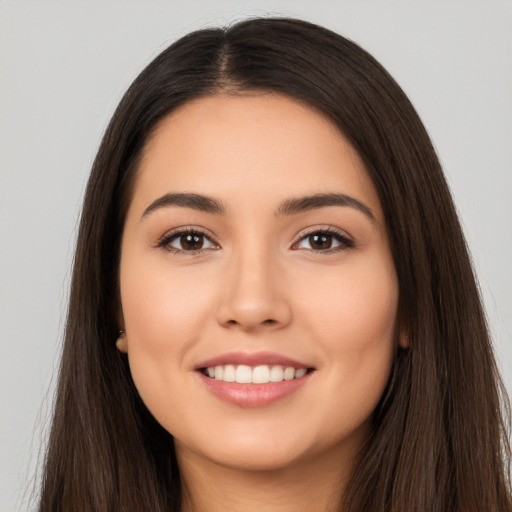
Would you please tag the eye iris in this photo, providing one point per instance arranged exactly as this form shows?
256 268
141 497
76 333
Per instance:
320 241
192 242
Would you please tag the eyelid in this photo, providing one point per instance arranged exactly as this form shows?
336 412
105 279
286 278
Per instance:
346 241
174 233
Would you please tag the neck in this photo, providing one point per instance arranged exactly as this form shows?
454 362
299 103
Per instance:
308 485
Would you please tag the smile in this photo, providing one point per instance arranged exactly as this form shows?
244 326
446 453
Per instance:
253 379
261 374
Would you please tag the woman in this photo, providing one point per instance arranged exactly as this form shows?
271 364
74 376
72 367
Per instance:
272 302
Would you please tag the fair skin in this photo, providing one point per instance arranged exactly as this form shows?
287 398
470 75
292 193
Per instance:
259 280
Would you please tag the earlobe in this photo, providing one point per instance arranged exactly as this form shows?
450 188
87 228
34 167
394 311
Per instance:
122 342
404 340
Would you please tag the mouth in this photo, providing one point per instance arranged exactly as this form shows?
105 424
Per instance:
253 380
261 374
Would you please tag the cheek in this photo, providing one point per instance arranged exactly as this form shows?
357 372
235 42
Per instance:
163 317
354 304
159 303
352 316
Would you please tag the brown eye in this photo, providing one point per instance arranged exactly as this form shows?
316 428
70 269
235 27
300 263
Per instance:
191 242
324 241
320 242
187 241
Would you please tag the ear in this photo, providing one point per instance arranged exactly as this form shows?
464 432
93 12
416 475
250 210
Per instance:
404 340
119 315
122 342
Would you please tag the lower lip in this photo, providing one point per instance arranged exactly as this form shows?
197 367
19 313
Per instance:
253 395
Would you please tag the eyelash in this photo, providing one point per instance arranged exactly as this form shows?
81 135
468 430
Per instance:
166 240
345 242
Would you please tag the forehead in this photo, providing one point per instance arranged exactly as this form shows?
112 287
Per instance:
248 147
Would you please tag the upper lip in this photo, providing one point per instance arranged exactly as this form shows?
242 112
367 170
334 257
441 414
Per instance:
252 359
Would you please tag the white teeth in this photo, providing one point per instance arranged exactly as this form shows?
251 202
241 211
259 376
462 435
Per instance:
289 373
243 374
300 373
229 373
276 374
262 374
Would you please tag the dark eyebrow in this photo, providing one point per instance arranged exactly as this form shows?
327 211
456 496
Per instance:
194 201
302 204
289 207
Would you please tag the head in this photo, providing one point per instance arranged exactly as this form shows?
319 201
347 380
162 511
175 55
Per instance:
442 365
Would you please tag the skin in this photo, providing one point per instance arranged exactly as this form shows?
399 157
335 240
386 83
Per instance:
259 285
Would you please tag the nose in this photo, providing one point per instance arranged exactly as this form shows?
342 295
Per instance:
253 295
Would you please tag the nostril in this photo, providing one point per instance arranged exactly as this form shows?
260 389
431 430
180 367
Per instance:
269 321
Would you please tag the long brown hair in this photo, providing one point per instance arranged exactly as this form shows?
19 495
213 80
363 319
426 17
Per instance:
439 440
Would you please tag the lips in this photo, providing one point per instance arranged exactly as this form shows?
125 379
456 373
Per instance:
253 380
252 359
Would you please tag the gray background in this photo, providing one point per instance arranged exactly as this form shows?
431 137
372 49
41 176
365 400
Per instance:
63 68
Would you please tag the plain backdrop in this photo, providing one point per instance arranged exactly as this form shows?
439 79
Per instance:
63 68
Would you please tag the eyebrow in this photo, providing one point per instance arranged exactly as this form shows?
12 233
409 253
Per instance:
288 207
194 201
302 204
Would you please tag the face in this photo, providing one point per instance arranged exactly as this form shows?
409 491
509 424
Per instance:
259 295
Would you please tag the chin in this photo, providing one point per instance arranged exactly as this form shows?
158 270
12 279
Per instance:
252 459
275 449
